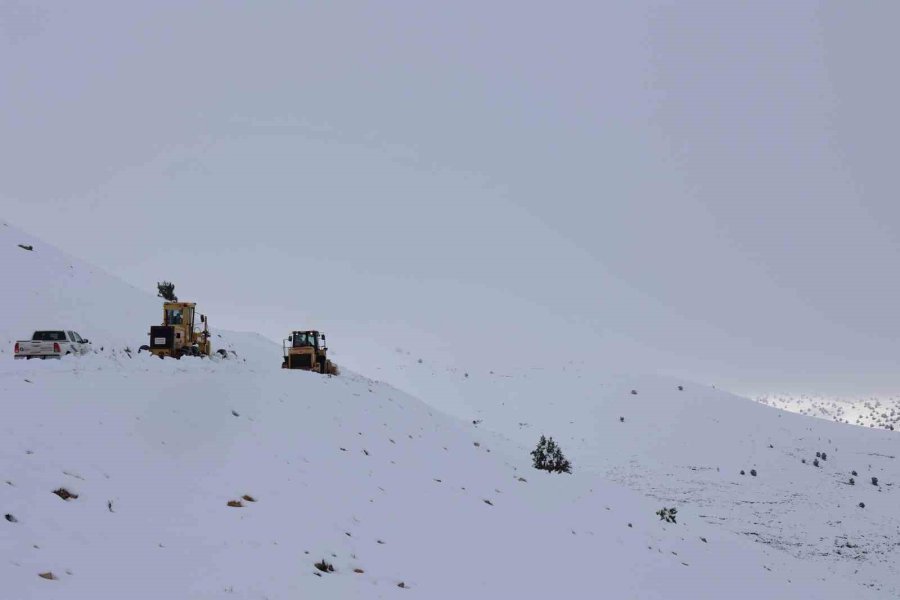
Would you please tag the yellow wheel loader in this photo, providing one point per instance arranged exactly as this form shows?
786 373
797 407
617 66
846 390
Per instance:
306 350
178 335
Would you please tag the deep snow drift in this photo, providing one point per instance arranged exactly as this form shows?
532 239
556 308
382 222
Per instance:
393 490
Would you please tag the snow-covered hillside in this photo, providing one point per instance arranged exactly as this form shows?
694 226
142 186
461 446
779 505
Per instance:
689 444
430 498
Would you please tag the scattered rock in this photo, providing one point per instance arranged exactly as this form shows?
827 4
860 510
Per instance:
235 413
634 392
402 585
10 518
235 504
488 502
48 575
28 247
358 571
65 494
248 498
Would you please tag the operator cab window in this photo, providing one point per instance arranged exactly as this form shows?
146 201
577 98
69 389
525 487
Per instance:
174 316
304 340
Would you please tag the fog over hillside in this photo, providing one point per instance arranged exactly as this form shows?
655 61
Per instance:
700 189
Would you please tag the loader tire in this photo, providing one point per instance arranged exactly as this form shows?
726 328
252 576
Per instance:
143 348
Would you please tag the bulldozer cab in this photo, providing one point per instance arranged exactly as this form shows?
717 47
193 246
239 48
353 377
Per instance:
305 350
304 339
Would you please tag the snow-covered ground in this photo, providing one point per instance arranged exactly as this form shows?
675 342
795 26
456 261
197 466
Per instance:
429 487
689 446
873 412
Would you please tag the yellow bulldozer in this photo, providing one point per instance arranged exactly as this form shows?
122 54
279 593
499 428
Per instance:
179 335
306 350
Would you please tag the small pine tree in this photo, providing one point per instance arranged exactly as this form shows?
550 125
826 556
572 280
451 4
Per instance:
167 291
667 514
549 457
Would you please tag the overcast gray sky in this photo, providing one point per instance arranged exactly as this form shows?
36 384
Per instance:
704 187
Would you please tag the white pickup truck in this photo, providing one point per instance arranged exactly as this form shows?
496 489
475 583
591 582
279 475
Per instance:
52 344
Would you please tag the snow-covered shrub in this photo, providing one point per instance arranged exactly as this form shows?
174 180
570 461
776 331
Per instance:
549 457
325 566
667 514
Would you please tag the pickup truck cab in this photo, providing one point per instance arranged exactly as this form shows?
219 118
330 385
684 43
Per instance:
54 343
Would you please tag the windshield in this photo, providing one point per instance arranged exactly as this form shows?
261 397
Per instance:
304 339
174 316
49 336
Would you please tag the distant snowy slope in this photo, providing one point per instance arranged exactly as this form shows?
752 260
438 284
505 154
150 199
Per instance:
47 288
881 412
